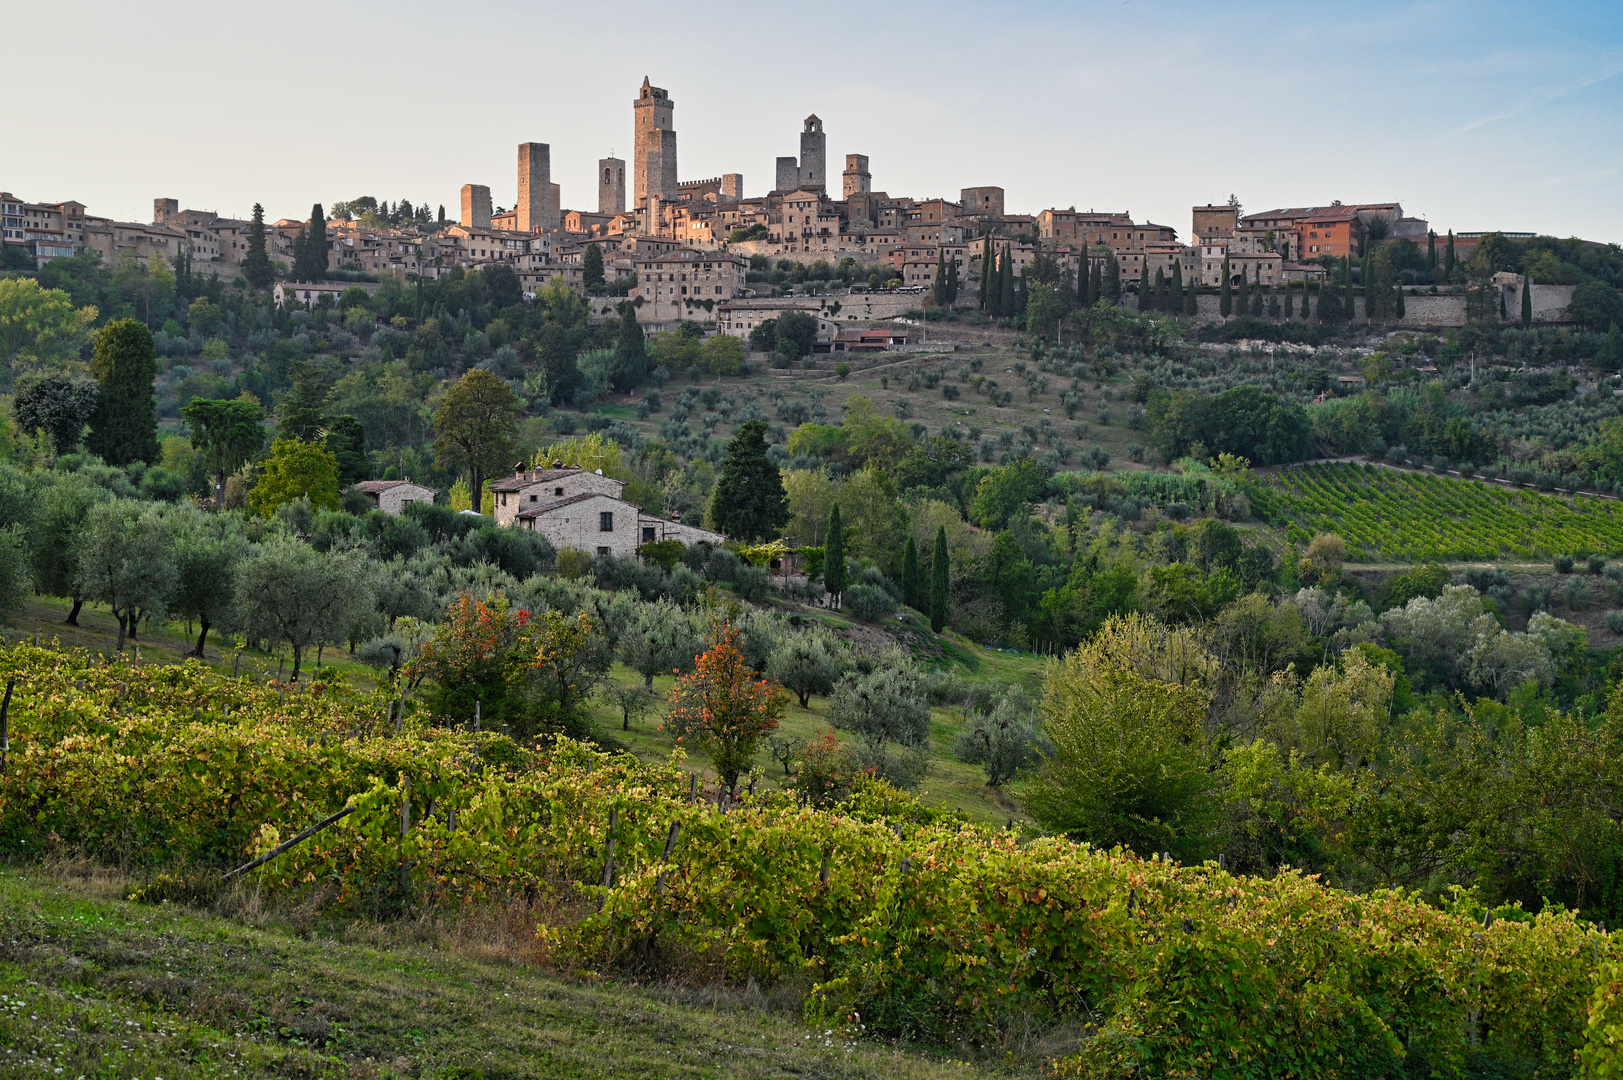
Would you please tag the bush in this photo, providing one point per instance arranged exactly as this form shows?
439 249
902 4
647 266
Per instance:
1563 564
1576 593
870 603
1614 621
1595 563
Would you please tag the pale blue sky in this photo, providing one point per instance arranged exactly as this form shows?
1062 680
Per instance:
1477 115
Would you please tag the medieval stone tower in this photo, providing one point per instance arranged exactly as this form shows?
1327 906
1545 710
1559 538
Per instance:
537 210
476 206
655 154
611 186
813 153
858 180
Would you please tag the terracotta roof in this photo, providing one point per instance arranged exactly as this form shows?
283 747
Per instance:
374 487
541 476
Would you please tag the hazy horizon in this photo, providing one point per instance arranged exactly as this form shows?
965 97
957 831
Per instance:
1474 115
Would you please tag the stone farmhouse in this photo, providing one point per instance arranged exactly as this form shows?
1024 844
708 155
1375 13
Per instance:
583 510
393 496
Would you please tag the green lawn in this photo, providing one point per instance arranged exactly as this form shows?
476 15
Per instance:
94 986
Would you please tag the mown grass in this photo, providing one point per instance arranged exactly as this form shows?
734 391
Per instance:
94 986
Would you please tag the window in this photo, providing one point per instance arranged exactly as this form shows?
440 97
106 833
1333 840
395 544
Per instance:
603 552
605 521
648 534
534 497
558 491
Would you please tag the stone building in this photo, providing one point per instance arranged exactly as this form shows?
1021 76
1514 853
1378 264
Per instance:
686 285
523 490
611 186
982 201
857 179
654 157
393 496
536 211
813 153
475 206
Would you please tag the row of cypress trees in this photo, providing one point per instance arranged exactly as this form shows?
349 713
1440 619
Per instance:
929 598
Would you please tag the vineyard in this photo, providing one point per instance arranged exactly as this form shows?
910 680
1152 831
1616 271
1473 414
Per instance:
1390 515
905 921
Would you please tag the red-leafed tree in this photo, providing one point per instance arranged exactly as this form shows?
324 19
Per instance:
724 708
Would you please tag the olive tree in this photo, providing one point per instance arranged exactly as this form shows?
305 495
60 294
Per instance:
289 593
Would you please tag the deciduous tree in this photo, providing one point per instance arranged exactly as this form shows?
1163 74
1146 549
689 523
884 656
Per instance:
296 470
477 425
724 708
227 433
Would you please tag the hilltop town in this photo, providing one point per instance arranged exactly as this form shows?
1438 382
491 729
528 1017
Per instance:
700 251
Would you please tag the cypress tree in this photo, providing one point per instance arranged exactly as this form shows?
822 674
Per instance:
1176 306
256 264
1256 293
1225 295
1163 292
1290 301
315 247
1146 287
952 281
910 575
1273 301
1370 303
1008 302
987 300
1431 249
1242 299
1112 279
938 581
1527 300
1096 282
938 287
1613 356
442 214
994 289
1397 302
1191 306
124 427
1448 257
834 558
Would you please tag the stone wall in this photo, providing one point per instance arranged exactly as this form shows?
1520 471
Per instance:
1426 310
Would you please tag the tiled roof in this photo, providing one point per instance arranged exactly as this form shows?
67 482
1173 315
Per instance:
374 487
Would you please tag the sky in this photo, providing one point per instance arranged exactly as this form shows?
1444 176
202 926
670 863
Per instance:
1474 114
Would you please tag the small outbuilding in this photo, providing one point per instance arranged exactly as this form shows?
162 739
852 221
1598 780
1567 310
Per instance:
393 496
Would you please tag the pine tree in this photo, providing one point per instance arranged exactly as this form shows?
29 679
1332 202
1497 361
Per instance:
834 557
1007 305
1176 305
1527 300
1225 297
938 581
256 264
910 575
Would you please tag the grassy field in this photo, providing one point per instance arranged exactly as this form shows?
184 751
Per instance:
94 986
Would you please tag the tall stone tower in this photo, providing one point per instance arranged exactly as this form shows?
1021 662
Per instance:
536 210
813 153
732 186
611 186
858 180
476 206
788 174
655 155
162 210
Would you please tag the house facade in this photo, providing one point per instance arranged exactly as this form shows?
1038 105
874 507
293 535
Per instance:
393 496
527 490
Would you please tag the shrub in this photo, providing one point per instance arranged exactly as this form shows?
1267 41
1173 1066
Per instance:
1614 621
1596 563
1576 593
870 603
1563 564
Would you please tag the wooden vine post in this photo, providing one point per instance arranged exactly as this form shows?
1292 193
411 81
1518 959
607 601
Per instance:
608 855
5 725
